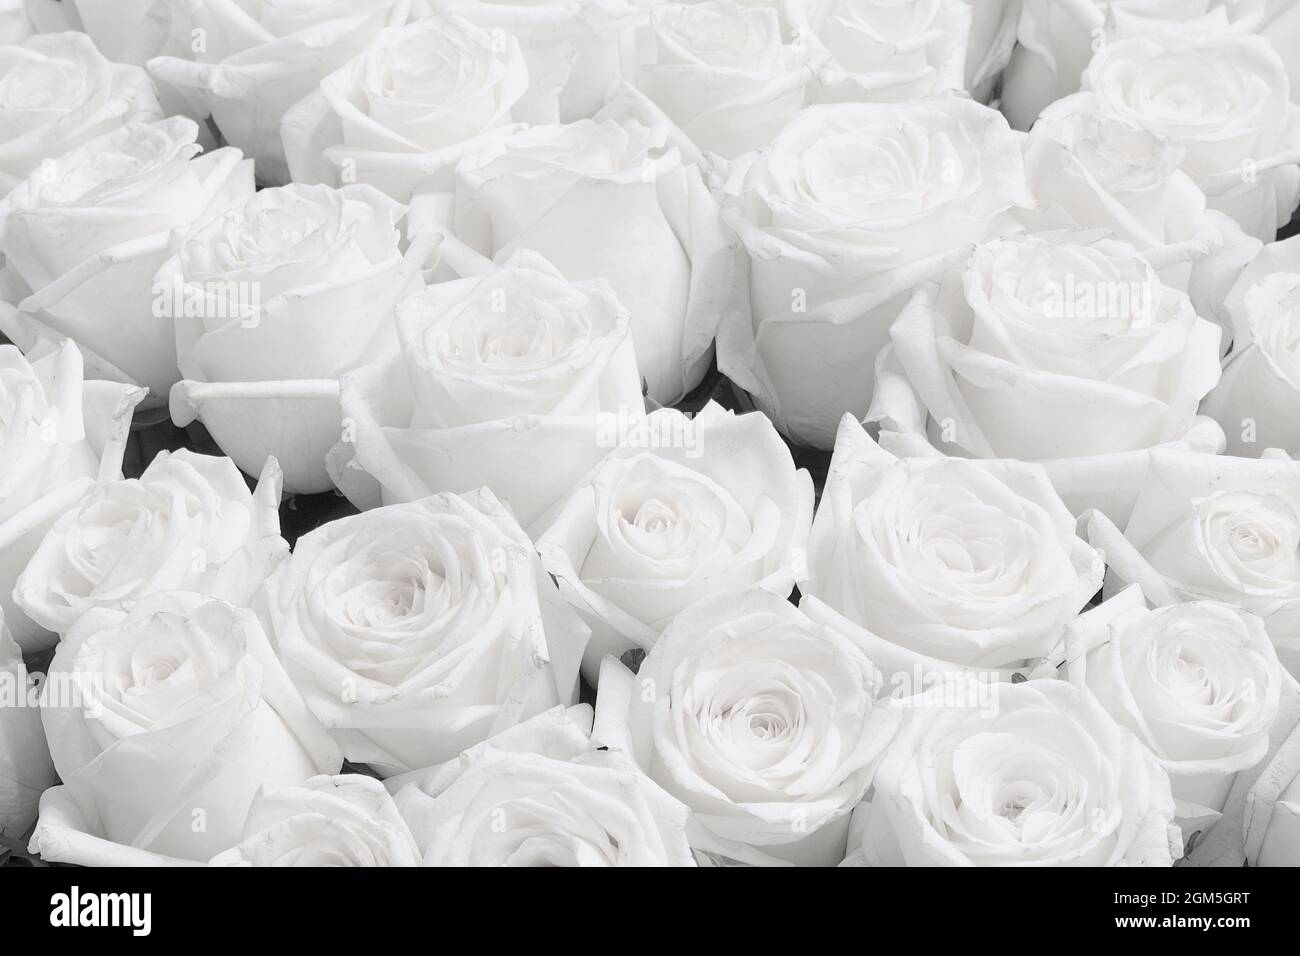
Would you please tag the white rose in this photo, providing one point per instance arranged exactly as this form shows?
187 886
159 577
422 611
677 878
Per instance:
502 381
1198 683
1227 101
413 103
681 509
165 720
1272 814
1209 527
59 435
417 630
1055 41
1047 778
344 820
579 37
851 208
84 234
15 25
973 563
274 301
1093 171
990 44
188 522
539 794
247 63
1256 400
885 51
720 71
553 189
25 768
1061 348
768 726
57 92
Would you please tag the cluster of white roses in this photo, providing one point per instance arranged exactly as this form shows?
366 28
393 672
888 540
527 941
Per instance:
1010 262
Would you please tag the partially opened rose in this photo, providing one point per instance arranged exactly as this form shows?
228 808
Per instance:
884 51
574 37
1091 170
59 435
1226 101
343 820
719 70
1061 348
417 630
188 523
1256 400
681 509
57 92
1198 683
553 189
768 726
181 712
1208 527
1045 779
853 207
973 563
25 768
540 794
84 234
274 301
510 380
247 63
416 100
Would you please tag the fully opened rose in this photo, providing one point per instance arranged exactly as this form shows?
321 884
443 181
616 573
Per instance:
84 234
163 723
681 509
59 435
273 301
768 726
843 216
541 794
1048 778
517 380
1062 348
969 563
417 630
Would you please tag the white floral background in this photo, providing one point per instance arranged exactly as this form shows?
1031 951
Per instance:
628 432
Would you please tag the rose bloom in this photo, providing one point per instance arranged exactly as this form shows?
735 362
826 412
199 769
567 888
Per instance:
681 509
188 522
344 820
1061 348
508 380
415 101
257 294
25 768
768 726
720 71
552 188
245 64
163 722
884 51
1090 170
579 37
1047 778
1198 683
1227 101
969 563
540 794
59 435
851 208
417 630
84 234
1260 389
57 92
1208 527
